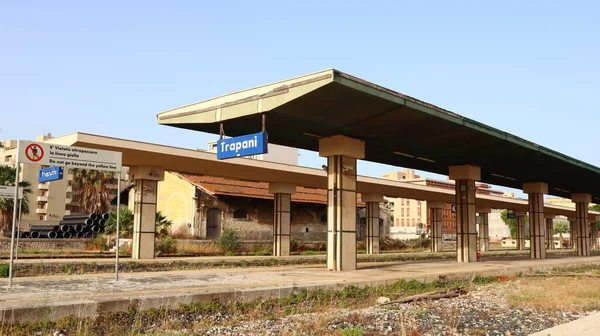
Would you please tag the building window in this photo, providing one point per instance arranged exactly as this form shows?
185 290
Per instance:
41 217
407 202
408 212
402 221
413 222
324 218
240 214
397 222
402 212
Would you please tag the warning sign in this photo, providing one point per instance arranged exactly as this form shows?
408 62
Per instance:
34 152
68 156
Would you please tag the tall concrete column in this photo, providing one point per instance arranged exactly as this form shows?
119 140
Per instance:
582 202
282 202
466 225
593 236
484 229
372 216
550 233
573 232
144 210
537 225
436 213
341 153
520 220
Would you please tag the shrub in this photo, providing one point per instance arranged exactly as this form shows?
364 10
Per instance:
4 269
322 246
353 331
182 232
167 246
293 245
100 243
229 241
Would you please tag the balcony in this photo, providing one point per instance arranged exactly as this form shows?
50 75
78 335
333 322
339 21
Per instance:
40 211
43 186
42 198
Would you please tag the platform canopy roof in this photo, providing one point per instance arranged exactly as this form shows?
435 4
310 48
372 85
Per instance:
397 129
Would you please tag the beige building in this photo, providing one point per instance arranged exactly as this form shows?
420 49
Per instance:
411 216
49 201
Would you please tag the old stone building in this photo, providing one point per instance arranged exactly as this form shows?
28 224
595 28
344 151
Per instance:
204 206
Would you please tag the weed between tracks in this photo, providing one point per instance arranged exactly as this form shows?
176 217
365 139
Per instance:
205 315
576 293
50 268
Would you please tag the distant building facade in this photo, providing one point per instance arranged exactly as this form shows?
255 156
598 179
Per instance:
411 216
205 206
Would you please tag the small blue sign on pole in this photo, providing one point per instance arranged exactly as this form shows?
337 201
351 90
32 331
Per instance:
50 174
245 145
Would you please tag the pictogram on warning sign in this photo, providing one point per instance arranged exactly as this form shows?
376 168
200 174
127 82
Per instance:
34 152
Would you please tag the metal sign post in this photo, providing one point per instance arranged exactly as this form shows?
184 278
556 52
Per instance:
29 152
14 224
117 247
18 229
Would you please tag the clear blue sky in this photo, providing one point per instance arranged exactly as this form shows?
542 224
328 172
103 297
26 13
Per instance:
528 67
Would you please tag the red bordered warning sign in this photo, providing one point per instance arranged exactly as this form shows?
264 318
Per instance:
34 152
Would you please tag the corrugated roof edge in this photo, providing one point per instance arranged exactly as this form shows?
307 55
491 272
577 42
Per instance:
391 95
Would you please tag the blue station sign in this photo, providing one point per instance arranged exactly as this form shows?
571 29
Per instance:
245 145
50 174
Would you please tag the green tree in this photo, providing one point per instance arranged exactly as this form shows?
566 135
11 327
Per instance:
512 223
93 189
7 178
561 227
162 224
125 223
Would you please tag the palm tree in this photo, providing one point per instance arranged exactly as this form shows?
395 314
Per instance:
125 223
162 224
94 194
7 178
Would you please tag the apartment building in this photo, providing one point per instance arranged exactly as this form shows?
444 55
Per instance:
49 201
411 216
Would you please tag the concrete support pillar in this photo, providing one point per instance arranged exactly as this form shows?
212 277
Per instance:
372 216
520 220
593 235
436 212
341 153
484 229
144 210
537 225
466 225
550 233
282 202
582 202
573 232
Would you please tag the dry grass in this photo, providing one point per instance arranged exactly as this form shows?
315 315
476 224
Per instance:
565 293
